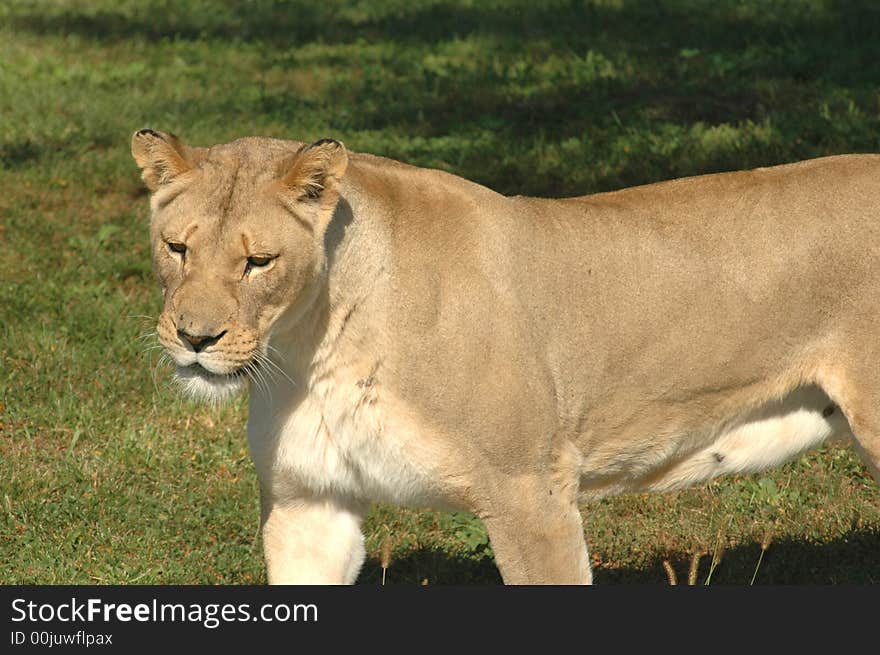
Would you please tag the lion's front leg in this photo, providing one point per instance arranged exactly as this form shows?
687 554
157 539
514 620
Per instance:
312 541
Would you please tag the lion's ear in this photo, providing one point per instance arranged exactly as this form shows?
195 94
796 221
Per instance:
161 156
314 175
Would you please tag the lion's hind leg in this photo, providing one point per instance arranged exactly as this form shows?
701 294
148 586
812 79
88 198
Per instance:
855 388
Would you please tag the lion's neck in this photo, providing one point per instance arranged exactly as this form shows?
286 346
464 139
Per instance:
341 328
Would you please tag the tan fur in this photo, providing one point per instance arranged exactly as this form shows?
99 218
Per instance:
420 339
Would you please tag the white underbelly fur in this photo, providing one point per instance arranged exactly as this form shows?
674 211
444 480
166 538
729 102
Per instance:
763 438
345 447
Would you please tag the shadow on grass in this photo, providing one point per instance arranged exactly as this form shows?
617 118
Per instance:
434 566
854 559
709 23
784 38
808 72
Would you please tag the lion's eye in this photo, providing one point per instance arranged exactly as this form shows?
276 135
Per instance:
177 247
256 261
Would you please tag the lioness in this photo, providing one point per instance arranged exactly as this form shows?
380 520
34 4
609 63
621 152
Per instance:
411 337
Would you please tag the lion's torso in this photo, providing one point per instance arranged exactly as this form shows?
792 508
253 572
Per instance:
670 333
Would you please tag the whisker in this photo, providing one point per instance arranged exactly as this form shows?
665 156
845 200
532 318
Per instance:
269 368
271 362
266 383
147 348
274 367
248 371
254 375
268 380
154 371
273 375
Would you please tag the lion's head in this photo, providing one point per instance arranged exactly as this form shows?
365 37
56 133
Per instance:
237 242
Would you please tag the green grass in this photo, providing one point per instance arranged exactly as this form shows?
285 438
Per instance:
107 476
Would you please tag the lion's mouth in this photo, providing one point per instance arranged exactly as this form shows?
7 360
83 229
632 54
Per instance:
204 384
200 370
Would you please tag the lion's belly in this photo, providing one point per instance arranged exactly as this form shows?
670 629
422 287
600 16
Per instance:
759 439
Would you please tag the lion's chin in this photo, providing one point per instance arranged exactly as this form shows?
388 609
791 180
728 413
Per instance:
208 387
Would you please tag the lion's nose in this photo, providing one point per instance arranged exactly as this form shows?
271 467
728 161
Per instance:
199 341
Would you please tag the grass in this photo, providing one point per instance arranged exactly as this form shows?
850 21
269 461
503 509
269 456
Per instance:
108 476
